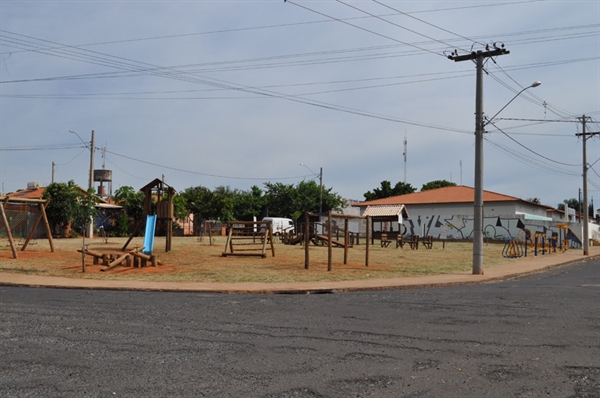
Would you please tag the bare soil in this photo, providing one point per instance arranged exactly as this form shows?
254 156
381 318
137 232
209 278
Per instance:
192 260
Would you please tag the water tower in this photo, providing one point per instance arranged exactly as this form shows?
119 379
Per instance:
104 177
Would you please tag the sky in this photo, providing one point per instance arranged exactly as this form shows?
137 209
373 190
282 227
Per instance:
239 93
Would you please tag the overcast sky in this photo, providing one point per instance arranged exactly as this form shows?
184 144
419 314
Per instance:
238 93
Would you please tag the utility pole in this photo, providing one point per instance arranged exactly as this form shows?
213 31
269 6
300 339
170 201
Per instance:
478 57
321 190
91 181
405 153
53 164
586 214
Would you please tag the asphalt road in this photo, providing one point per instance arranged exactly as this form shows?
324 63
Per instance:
532 337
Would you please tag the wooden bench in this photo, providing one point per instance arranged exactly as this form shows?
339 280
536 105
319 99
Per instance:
385 242
414 242
427 242
400 242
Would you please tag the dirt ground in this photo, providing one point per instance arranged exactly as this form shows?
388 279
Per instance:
192 260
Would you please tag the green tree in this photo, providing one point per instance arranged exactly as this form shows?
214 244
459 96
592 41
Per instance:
534 200
249 204
437 184
292 201
577 205
65 200
199 202
387 191
571 203
223 203
133 208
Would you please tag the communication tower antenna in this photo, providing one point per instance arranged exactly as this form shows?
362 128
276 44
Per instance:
103 156
405 153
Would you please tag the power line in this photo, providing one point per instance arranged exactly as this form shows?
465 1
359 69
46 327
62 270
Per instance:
531 150
40 147
363 29
427 23
206 174
397 25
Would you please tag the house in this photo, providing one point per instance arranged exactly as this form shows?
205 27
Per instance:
448 213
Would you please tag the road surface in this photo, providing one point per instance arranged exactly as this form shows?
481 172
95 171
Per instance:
531 337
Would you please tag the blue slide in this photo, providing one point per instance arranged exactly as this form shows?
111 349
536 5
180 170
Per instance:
149 235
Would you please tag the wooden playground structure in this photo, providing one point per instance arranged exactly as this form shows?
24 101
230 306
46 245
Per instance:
249 238
309 234
164 210
20 203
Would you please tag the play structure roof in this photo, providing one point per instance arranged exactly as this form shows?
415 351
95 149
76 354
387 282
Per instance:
386 211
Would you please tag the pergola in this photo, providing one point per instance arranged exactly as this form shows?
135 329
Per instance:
386 213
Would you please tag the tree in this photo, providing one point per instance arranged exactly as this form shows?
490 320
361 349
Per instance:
574 203
292 201
571 203
64 206
199 202
249 204
386 190
534 200
437 184
133 208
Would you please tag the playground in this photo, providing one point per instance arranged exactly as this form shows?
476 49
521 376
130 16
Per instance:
193 260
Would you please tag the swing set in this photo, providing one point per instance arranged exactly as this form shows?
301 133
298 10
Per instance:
20 207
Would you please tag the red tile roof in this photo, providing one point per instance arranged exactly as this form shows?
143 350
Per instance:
28 193
455 194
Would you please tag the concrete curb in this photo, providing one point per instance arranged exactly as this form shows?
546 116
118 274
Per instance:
510 270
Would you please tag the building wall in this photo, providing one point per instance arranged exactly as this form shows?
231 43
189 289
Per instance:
455 221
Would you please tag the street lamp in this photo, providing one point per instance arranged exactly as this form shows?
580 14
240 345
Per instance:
320 175
478 200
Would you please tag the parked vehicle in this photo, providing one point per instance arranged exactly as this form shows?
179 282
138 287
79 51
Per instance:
280 225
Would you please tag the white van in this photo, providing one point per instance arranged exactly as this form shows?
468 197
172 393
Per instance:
280 225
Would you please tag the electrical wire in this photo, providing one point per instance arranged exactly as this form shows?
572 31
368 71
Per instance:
427 23
364 29
400 26
206 174
40 147
532 151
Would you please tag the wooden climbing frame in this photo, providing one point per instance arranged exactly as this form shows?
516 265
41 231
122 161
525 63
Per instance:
249 238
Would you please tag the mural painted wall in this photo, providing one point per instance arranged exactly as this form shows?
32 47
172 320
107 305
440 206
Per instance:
498 228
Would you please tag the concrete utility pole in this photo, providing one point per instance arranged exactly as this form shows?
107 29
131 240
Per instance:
321 190
53 164
478 57
91 182
586 214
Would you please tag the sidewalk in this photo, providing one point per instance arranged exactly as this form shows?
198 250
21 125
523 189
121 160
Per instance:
511 269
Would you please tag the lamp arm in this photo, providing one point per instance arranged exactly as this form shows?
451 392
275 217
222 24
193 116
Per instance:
507 104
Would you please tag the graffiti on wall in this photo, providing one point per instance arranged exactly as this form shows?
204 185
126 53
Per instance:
461 227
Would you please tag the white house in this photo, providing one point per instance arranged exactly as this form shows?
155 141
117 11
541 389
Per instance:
448 213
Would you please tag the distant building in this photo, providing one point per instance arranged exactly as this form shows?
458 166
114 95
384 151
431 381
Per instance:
448 213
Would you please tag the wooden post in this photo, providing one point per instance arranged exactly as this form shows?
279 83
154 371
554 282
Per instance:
329 238
306 239
367 241
346 237
32 232
47 223
271 240
8 233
